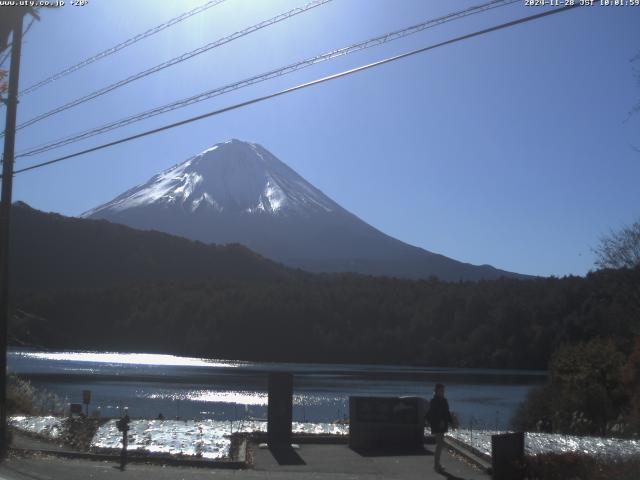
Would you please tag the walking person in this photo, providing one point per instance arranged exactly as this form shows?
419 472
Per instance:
439 418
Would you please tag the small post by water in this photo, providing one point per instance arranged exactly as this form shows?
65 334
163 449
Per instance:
123 426
86 399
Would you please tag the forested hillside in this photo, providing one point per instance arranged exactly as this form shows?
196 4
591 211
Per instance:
53 251
341 318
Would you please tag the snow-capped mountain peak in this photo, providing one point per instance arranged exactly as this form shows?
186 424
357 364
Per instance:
233 176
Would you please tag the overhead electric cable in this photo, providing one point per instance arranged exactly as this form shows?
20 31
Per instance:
120 46
174 61
379 40
302 86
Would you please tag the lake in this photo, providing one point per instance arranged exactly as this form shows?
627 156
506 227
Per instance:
195 388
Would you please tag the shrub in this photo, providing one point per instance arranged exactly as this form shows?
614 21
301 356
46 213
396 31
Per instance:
20 395
23 398
586 394
631 380
534 414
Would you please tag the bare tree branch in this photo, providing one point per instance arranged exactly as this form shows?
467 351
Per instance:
620 249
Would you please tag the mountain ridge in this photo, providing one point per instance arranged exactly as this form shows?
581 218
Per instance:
49 250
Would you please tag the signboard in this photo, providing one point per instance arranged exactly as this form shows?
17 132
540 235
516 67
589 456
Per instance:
395 423
75 408
386 410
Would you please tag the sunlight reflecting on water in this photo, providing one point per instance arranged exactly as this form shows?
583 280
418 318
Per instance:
239 397
199 388
130 359
228 396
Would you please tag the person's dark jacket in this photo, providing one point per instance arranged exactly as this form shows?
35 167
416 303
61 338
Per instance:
439 416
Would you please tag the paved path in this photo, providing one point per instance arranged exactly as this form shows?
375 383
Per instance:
321 462
340 462
28 442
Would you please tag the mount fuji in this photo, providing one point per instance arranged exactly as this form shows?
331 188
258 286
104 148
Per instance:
238 192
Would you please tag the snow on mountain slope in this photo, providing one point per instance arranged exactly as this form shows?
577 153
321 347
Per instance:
232 177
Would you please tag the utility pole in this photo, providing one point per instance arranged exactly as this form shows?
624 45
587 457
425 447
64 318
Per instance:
5 216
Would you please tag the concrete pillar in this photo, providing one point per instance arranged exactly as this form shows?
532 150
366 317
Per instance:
280 409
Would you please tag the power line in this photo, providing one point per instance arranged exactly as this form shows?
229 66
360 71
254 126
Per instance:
174 61
120 46
379 40
302 86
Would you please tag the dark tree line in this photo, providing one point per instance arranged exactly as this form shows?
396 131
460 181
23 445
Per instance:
503 323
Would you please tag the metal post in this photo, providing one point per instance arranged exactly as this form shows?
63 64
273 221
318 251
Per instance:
5 215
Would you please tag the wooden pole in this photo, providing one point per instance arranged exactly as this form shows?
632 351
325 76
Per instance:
5 217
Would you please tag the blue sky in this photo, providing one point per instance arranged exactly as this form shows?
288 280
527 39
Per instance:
513 149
